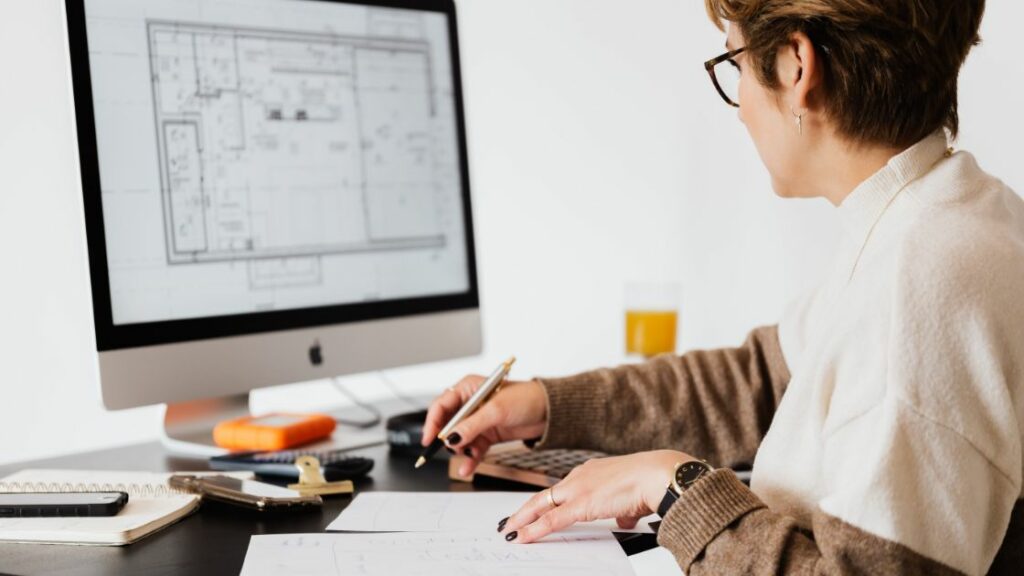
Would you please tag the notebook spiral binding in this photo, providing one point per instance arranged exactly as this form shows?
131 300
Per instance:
136 490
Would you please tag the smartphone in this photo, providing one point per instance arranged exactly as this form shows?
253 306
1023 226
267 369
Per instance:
246 493
33 504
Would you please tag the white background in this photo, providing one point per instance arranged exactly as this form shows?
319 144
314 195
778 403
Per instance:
600 154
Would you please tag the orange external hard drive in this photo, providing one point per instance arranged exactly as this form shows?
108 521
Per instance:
272 431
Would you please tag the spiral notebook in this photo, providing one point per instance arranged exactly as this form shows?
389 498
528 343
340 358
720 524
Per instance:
152 505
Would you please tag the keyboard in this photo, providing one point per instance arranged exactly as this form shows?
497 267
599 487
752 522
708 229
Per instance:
336 464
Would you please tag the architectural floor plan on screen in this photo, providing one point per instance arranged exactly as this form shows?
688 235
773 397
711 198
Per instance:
282 148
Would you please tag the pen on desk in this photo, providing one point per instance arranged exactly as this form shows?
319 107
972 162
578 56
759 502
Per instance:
475 401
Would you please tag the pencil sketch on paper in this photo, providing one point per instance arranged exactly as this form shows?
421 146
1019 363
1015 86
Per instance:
440 554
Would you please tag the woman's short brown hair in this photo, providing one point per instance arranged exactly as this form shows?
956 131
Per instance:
890 66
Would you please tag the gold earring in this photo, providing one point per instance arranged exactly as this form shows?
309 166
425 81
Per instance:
799 121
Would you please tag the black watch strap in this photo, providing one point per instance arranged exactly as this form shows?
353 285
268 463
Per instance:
685 475
666 503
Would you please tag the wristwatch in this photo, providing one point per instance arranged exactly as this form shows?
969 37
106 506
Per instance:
685 475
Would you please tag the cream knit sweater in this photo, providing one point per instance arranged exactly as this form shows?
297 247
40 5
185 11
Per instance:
908 358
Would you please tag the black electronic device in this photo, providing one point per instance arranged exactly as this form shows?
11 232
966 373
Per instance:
42 504
336 464
405 431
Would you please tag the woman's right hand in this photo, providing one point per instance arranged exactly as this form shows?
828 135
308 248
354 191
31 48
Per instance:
517 411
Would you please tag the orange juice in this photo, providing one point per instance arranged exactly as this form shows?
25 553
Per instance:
650 333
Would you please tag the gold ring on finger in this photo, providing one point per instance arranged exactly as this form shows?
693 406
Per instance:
551 497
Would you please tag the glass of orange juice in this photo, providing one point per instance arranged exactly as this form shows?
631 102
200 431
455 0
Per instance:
652 318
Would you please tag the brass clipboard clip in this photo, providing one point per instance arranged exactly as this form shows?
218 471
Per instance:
312 481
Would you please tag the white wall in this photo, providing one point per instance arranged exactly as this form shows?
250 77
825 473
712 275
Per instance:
600 154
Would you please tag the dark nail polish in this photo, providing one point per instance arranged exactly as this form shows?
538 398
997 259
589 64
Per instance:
453 439
501 523
511 536
468 452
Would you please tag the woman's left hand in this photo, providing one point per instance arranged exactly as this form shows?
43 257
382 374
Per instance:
626 488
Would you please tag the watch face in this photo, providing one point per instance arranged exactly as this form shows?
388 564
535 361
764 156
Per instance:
690 472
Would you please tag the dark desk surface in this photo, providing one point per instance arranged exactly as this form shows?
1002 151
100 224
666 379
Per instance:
214 540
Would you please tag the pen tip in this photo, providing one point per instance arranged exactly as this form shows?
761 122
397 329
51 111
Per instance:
420 461
510 361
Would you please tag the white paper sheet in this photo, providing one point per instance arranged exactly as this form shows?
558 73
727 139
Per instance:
442 512
577 553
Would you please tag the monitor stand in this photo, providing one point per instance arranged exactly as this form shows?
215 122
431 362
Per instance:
188 426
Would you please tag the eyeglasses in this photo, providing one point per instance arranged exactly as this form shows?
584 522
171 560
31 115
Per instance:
725 75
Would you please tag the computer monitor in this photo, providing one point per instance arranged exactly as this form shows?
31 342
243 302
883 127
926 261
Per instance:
274 191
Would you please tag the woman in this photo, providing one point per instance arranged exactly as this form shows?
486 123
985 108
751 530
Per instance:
885 410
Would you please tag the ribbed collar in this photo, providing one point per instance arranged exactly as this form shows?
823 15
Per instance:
864 207
861 210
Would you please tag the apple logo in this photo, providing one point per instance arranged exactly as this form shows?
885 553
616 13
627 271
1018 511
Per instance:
316 356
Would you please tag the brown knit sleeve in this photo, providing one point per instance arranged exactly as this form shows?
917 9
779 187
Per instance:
716 403
720 527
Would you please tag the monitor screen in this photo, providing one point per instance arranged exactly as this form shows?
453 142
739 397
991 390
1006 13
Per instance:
271 156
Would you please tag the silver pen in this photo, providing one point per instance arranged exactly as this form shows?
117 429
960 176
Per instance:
484 393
